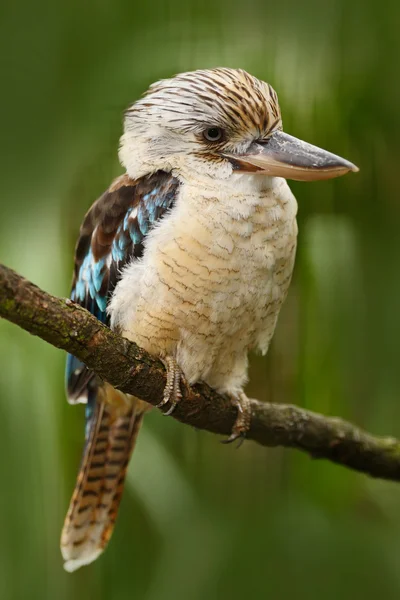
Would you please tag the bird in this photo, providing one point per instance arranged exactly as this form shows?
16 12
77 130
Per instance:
189 253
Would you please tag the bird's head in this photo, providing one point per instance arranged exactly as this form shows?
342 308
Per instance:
214 124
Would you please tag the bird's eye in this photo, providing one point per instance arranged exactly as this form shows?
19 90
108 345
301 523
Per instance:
213 134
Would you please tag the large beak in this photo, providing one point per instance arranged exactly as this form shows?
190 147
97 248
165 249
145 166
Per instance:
283 155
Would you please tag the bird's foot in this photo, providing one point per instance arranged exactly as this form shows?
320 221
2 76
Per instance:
172 390
243 419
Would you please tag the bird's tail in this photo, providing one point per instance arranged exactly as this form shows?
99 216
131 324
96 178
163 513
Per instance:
112 430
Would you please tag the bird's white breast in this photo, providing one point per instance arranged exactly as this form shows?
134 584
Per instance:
213 276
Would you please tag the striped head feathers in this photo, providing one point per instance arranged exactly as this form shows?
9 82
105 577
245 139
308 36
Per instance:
187 124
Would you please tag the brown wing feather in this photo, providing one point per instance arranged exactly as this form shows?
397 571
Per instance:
111 235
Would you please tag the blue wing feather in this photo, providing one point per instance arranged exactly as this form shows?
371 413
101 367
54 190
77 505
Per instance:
111 235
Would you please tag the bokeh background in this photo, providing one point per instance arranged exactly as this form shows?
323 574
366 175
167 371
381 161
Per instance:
200 520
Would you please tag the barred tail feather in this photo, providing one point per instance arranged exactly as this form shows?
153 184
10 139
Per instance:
94 505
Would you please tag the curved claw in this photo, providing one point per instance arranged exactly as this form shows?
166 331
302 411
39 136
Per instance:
233 437
170 410
162 403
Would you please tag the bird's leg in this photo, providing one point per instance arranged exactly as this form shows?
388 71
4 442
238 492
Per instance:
172 390
243 419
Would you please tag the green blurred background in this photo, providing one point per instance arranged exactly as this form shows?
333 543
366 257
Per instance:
200 520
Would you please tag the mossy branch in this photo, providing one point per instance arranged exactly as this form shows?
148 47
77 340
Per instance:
130 369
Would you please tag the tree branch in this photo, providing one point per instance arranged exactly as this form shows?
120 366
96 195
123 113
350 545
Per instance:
68 326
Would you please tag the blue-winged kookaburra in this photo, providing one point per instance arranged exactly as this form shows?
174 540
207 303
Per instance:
190 255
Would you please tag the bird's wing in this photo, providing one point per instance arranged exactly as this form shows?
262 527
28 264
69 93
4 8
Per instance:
111 235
